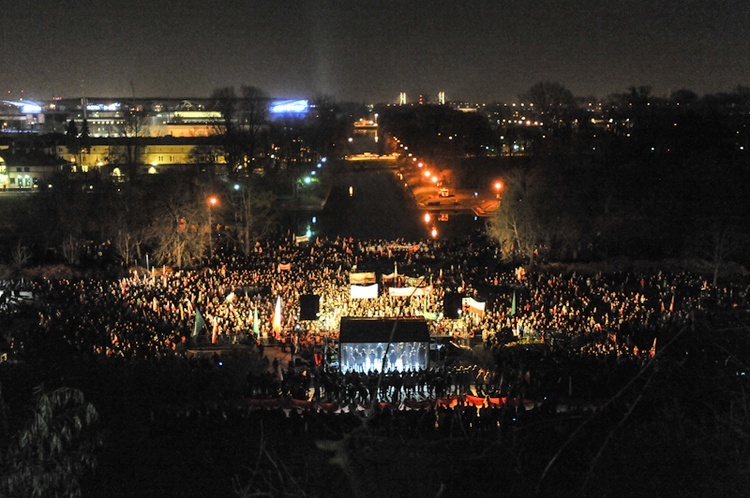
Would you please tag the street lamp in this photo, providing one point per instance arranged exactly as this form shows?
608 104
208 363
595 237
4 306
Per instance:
212 202
498 186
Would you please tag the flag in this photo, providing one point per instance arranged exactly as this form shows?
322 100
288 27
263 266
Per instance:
471 305
513 305
256 323
277 316
199 323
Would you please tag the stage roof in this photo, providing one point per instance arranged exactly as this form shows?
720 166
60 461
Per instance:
412 329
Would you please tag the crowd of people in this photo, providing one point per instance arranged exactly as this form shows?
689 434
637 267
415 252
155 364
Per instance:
157 312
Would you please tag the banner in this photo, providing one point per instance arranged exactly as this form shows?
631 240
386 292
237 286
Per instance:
284 267
199 323
404 247
409 291
301 239
364 291
471 305
362 278
391 276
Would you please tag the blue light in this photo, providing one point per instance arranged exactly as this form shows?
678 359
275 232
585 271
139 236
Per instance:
26 106
31 109
236 186
103 107
319 166
289 107
314 219
324 160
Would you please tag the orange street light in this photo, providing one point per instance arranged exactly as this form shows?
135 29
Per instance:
212 201
498 186
427 217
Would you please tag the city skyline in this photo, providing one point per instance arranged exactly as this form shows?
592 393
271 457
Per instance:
371 51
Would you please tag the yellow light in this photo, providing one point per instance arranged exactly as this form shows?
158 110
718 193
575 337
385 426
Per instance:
427 217
434 232
213 200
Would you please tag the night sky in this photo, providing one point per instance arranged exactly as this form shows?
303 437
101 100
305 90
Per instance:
369 51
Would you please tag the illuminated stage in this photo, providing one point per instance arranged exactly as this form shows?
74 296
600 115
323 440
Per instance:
363 344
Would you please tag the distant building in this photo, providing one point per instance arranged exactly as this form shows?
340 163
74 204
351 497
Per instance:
25 176
154 155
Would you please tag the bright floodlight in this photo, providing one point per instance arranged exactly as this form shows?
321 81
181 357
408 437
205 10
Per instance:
289 107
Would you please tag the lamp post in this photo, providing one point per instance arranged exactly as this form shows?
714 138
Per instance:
498 186
212 202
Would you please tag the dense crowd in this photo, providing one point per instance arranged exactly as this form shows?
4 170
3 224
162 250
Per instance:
152 313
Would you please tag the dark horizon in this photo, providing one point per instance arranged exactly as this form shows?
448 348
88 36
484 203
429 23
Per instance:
359 51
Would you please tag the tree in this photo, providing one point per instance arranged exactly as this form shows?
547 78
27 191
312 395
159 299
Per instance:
179 233
535 218
49 455
72 142
550 99
253 115
254 212
129 151
326 128
206 155
242 128
517 226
